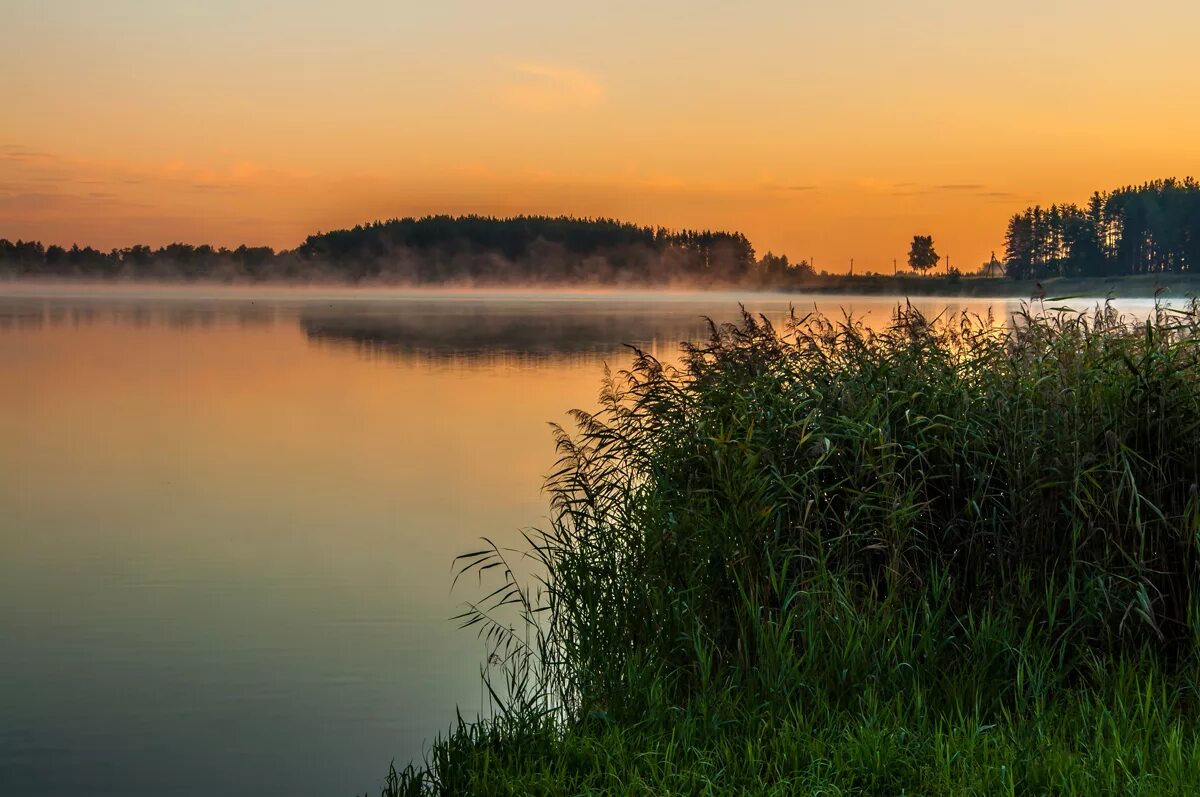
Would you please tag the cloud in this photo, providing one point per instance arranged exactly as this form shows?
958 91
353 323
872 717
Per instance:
40 171
17 152
215 187
782 187
974 189
549 89
40 203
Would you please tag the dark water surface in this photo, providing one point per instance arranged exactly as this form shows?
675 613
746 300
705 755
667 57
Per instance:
227 518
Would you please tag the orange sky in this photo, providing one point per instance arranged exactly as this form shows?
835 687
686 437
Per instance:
831 130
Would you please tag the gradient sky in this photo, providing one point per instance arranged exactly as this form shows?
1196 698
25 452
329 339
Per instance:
826 130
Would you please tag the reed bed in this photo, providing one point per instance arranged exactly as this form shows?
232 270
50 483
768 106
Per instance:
956 555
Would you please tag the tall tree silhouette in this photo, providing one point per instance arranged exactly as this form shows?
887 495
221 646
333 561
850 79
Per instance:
1152 228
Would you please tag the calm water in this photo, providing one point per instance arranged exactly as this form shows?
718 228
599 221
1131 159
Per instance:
227 519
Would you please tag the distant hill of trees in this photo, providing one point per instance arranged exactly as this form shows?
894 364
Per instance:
439 250
1152 228
1148 229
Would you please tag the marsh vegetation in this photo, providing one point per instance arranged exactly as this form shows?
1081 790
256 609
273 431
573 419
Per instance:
953 555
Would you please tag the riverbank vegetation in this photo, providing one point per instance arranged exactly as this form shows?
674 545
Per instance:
952 556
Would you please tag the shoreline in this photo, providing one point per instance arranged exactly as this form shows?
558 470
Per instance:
1126 287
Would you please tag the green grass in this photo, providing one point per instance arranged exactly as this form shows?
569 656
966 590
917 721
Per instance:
952 556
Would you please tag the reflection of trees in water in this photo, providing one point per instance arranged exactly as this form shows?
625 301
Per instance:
432 331
32 313
457 331
481 333
469 332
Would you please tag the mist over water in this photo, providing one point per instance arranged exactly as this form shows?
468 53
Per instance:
229 515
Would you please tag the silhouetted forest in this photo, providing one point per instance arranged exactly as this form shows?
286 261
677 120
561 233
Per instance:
1149 229
440 250
1152 228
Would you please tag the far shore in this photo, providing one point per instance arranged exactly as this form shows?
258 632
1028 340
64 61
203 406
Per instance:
1142 286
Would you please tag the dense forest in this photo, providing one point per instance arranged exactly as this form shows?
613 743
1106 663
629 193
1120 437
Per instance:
1148 229
439 250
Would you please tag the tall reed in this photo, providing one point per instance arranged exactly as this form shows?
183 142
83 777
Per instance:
945 523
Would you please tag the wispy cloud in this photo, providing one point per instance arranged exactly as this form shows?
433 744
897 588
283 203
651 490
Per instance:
970 189
214 187
786 187
41 203
20 165
960 187
542 88
19 152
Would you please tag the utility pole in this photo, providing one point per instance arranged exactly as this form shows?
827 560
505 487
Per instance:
851 267
895 270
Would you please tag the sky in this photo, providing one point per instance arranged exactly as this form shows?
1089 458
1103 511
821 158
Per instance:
826 131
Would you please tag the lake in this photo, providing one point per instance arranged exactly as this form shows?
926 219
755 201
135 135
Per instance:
228 516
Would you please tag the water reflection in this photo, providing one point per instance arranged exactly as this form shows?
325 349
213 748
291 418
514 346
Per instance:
535 333
33 313
523 335
228 524
441 330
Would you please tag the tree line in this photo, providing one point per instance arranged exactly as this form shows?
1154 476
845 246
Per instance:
439 249
175 261
1151 228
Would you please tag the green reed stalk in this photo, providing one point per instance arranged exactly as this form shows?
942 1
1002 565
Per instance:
950 554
